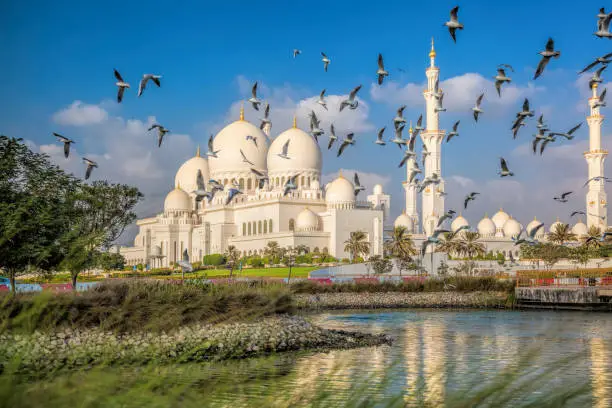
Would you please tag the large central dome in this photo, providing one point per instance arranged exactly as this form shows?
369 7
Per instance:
230 142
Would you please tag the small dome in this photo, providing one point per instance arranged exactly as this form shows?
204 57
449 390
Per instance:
553 226
188 172
499 219
580 229
340 192
307 220
230 141
177 200
486 227
303 150
378 189
512 228
404 221
458 223
534 224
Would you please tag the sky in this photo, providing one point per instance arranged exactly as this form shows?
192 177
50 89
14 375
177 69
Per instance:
57 61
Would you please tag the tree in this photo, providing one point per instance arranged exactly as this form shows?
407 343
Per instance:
465 244
272 250
582 254
549 253
561 234
110 261
357 244
36 198
302 249
289 258
401 247
380 265
101 213
592 238
232 255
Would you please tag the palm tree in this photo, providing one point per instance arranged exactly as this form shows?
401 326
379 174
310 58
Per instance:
561 234
302 249
401 246
591 239
450 244
464 244
233 257
272 250
357 244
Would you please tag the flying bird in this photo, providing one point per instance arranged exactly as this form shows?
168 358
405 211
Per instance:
433 239
563 197
285 150
469 197
379 137
604 59
255 102
261 178
325 60
548 139
381 73
601 102
200 192
296 52
332 136
232 192
504 171
530 238
290 185
425 153
161 132
348 140
540 124
321 100
398 140
211 151
67 142
603 26
245 160
477 110
266 119
440 107
454 23
447 216
516 126
122 85
315 129
576 213
597 178
547 54
351 102
453 133
413 172
143 82
215 185
596 78
90 165
358 187
525 112
252 139
399 118
433 179
419 125
500 79
569 134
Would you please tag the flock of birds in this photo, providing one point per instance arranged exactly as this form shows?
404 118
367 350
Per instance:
540 140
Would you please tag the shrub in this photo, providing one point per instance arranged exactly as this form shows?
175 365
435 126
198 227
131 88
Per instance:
255 262
214 259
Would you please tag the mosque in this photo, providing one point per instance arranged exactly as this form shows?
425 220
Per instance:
320 218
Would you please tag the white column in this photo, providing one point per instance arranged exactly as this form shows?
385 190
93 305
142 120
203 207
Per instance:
411 196
596 198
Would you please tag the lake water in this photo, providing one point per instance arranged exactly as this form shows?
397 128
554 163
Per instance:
439 358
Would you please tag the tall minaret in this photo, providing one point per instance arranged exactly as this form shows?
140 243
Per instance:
596 199
432 137
411 191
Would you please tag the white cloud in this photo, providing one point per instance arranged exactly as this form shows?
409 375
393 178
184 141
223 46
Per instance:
460 93
80 114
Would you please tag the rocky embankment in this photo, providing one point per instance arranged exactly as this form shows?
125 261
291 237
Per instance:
41 353
375 300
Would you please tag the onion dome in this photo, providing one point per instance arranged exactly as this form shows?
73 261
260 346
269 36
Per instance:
500 218
512 228
458 223
580 229
486 227
534 224
188 172
231 143
307 220
553 226
404 221
340 193
303 150
177 200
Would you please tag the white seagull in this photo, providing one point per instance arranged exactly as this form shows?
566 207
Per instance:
122 85
211 152
161 132
66 143
90 165
454 23
477 110
325 60
145 78
255 102
321 100
351 102
381 73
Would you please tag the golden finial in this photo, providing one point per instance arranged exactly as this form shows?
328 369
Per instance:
432 53
178 185
410 129
486 215
241 111
340 174
535 218
294 122
198 151
557 218
595 85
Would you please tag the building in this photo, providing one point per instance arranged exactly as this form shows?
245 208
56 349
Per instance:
320 218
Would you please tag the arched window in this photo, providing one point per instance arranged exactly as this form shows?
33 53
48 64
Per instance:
249 228
291 224
308 181
316 250
175 250
283 180
225 182
259 231
249 184
277 182
241 183
270 229
243 228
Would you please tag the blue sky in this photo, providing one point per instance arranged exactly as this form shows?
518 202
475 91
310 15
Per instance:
54 54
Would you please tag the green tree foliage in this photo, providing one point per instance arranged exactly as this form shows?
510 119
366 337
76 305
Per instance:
561 234
110 261
101 213
380 265
213 259
232 256
35 202
357 244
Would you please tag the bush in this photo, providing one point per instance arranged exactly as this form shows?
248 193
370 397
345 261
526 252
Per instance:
255 262
214 259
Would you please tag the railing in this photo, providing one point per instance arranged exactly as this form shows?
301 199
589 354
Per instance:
565 277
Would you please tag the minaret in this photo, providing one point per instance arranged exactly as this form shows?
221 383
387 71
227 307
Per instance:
432 137
596 199
411 191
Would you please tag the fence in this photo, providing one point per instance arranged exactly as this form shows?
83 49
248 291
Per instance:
565 277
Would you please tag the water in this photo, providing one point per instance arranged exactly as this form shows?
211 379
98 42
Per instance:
439 358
